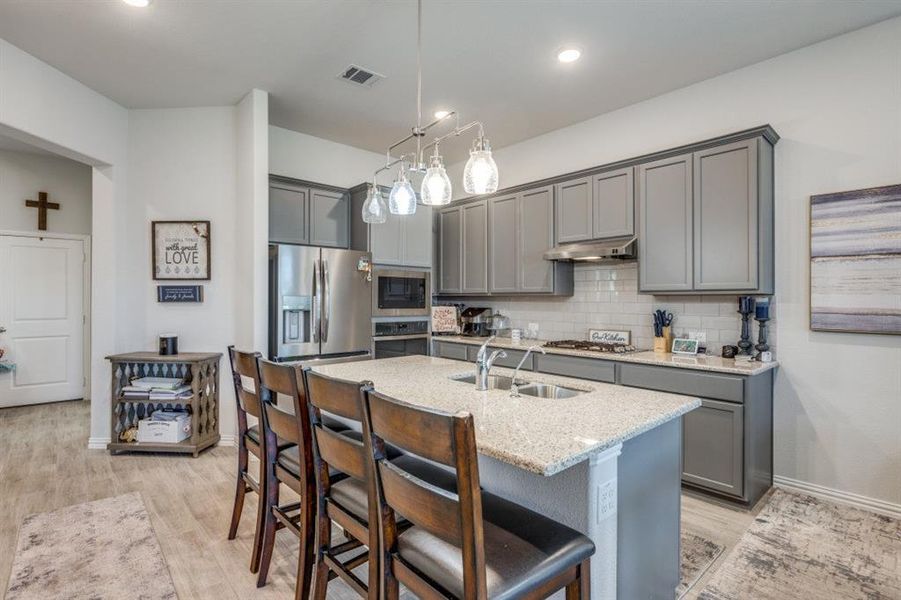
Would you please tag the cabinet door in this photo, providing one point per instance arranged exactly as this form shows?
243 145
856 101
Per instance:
329 218
713 447
288 223
614 203
725 217
574 210
450 231
665 225
502 243
536 236
386 240
475 248
417 234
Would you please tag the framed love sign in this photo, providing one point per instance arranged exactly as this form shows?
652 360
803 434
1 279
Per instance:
181 249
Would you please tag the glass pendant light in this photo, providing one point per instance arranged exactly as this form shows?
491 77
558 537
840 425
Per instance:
436 185
480 173
374 208
402 200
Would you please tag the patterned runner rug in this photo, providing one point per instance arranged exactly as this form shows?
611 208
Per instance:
101 550
800 547
698 553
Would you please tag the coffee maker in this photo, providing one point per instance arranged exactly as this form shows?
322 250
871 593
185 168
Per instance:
475 321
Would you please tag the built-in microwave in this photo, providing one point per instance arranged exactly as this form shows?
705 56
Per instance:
397 293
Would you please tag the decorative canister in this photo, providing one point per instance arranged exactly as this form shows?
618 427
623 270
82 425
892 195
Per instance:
168 344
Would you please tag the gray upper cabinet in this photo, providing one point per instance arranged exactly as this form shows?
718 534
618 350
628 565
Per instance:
450 259
665 225
386 241
402 240
288 210
725 217
574 210
503 243
329 218
536 236
614 203
417 238
475 247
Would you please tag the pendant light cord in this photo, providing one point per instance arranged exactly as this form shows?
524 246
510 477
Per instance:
419 81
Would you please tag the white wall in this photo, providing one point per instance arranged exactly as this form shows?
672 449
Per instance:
24 174
182 166
302 156
837 106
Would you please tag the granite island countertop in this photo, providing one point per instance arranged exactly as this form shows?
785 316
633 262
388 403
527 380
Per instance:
645 357
539 435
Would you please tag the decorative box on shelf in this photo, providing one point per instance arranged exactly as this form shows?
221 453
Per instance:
200 370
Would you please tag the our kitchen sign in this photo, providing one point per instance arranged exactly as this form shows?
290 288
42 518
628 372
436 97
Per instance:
181 249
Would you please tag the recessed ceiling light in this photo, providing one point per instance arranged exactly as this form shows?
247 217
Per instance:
138 3
440 114
568 55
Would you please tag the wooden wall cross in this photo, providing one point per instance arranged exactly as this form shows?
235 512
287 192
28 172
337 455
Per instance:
42 205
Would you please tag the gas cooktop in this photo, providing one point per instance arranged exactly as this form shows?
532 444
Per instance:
592 346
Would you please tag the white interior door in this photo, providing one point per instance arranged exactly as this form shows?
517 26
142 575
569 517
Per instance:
41 298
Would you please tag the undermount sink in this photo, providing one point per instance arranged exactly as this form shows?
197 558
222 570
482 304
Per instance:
548 390
495 382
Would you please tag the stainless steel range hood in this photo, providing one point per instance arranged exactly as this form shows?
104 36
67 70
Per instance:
622 248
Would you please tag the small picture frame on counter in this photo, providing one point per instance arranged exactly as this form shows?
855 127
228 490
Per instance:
685 346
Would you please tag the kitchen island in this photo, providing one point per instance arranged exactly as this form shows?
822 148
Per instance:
606 462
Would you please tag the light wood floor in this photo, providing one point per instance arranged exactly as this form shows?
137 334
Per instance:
45 465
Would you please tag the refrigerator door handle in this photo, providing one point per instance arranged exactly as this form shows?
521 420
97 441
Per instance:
316 306
326 301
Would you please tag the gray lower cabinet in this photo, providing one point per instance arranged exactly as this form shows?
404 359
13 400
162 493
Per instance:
574 210
665 225
475 247
450 250
727 442
301 214
329 218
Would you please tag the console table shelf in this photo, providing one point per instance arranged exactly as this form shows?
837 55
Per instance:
199 369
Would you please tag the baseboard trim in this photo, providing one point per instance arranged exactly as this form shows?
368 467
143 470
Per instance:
98 443
882 507
226 440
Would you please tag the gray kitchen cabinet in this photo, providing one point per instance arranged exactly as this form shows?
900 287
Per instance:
535 230
288 209
450 259
329 218
575 206
713 447
503 244
475 247
402 240
417 238
614 204
386 241
726 217
446 350
665 225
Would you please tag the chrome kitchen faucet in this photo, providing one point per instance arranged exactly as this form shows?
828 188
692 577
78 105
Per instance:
514 388
484 364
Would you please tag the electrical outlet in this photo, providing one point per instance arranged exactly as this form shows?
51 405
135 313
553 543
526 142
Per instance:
606 500
701 336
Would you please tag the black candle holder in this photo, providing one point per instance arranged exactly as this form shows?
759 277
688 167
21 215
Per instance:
762 345
745 308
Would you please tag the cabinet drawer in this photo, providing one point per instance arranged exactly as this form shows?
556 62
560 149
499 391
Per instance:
574 366
713 447
511 360
680 381
453 351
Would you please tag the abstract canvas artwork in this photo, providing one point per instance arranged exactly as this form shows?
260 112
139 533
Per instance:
855 261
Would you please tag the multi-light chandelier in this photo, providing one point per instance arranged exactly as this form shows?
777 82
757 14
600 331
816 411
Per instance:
479 175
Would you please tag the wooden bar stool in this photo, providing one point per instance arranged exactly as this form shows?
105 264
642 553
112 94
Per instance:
247 401
349 502
469 544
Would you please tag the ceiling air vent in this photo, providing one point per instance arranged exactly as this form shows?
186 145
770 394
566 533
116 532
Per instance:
360 76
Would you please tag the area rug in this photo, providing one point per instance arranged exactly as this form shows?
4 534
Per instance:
102 550
800 547
698 553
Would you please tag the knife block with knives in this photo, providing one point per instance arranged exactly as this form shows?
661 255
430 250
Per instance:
663 331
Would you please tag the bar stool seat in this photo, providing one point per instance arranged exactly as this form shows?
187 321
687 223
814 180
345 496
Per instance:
253 434
523 551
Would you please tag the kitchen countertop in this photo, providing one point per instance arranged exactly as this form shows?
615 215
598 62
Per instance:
646 357
539 435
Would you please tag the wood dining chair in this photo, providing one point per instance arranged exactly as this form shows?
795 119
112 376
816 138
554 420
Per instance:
247 400
349 502
470 544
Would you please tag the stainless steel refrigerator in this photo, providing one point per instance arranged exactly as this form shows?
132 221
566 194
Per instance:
320 303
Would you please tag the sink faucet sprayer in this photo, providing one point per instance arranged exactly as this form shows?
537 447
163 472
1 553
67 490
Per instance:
484 363
514 388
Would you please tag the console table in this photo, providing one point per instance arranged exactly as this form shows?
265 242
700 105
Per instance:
199 369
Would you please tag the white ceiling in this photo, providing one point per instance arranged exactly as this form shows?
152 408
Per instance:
491 60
